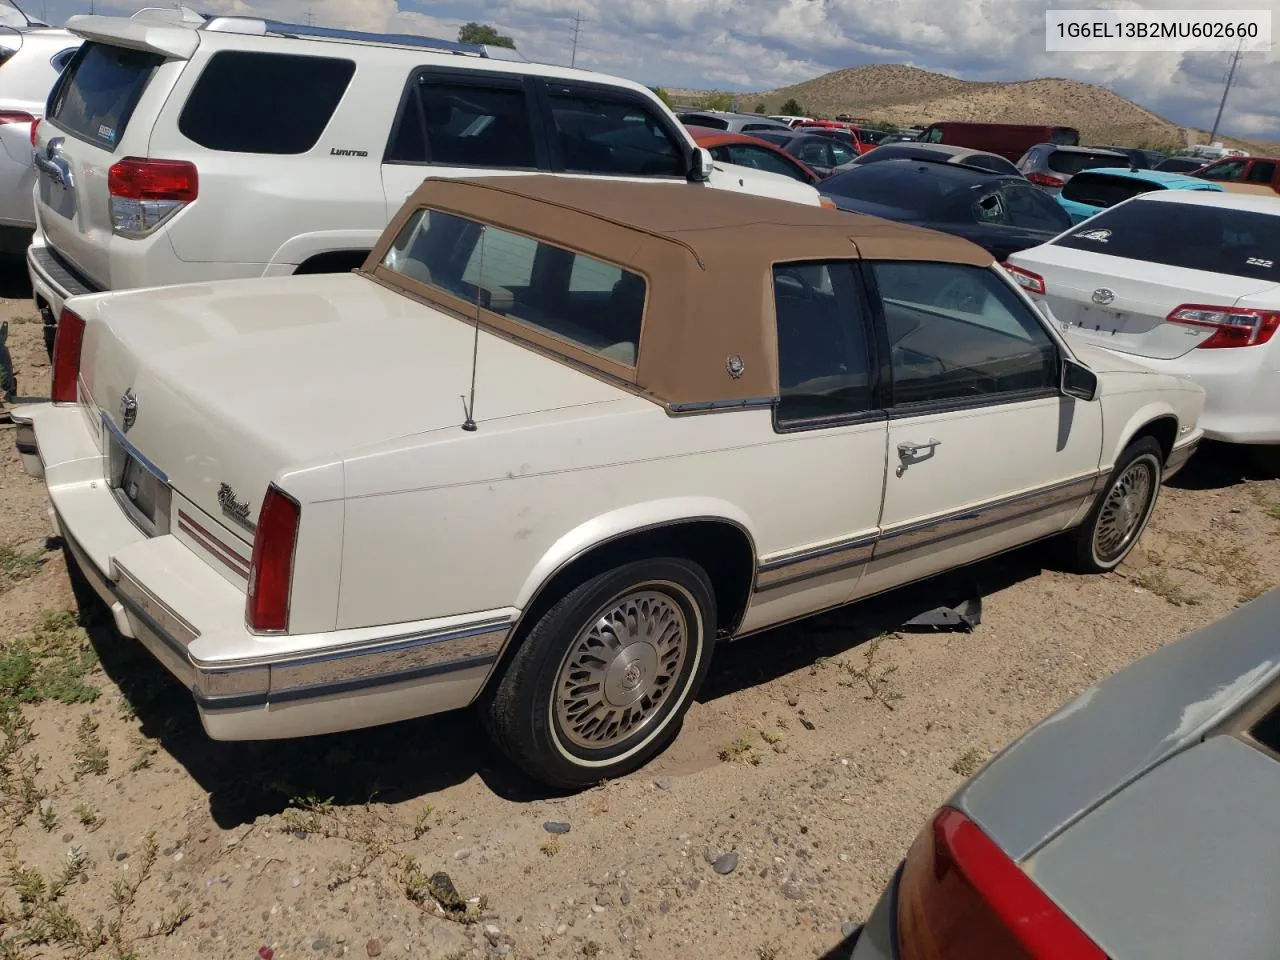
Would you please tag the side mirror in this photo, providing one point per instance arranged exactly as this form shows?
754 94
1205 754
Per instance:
1078 381
700 164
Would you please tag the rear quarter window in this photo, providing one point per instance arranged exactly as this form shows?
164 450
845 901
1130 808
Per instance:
99 90
1236 243
264 102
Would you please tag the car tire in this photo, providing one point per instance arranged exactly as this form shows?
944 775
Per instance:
601 682
1121 511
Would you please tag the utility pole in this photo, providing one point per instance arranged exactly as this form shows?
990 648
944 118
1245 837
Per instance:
577 32
1231 74
309 18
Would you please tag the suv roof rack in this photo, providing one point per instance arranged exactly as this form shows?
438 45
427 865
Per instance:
253 26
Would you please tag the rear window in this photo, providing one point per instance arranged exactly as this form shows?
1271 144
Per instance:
1072 162
703 120
1100 190
1237 243
99 90
896 182
264 102
591 304
1064 136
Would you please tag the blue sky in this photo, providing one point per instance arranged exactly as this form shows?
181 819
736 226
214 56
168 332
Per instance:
764 44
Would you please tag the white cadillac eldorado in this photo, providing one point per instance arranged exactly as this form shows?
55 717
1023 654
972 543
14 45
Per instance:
554 441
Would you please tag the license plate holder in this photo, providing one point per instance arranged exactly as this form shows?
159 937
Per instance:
142 492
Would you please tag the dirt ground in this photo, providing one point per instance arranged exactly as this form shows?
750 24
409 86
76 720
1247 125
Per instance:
815 754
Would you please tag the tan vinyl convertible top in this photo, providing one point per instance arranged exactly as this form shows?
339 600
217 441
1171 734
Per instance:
706 254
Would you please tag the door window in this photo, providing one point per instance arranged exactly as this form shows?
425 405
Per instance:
1031 209
989 208
815 153
1262 171
600 135
959 332
932 135
745 155
840 153
460 124
1230 170
824 368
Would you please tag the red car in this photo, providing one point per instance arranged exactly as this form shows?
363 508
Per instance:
747 151
851 133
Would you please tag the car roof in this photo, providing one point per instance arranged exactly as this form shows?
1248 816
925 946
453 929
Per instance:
1251 202
956 171
707 256
1062 148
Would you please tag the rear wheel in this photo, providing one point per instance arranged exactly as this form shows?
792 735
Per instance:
1121 513
602 680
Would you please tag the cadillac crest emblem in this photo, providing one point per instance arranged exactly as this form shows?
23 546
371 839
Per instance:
128 409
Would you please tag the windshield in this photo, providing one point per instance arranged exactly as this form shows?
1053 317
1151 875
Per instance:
1192 236
1072 162
588 303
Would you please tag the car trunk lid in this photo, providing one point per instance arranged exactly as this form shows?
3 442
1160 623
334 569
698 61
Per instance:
1123 305
231 382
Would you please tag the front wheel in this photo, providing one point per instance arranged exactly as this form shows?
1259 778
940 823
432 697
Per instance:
1121 513
602 680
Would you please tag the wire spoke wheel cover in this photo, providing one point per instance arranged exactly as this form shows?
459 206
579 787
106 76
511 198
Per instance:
1125 509
623 667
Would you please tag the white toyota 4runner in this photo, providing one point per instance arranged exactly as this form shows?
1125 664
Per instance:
177 148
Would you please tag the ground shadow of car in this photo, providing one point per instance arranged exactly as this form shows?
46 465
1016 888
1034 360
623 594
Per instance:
1218 465
15 282
406 760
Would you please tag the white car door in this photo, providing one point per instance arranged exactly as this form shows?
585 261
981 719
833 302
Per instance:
819 491
984 451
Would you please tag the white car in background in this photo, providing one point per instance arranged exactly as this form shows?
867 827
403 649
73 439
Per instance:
31 58
1183 282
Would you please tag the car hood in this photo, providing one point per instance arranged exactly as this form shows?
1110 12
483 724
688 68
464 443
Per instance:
1121 728
236 380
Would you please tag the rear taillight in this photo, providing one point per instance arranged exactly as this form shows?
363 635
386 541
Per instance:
35 125
15 116
271 570
1045 180
1028 281
1232 326
827 203
145 193
66 357
961 898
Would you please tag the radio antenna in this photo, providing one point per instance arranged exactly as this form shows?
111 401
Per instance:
469 405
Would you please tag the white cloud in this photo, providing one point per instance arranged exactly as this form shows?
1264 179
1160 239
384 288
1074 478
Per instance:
763 44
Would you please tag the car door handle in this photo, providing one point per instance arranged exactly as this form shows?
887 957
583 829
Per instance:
908 451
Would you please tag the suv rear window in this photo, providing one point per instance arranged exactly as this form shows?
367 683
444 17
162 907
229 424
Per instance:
99 90
1238 243
264 102
593 305
1101 190
1072 162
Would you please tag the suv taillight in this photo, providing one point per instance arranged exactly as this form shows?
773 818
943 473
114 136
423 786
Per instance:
1232 326
16 116
67 343
271 569
35 125
1028 281
145 193
1045 179
961 897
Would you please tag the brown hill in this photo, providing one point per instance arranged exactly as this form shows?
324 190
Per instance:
909 96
